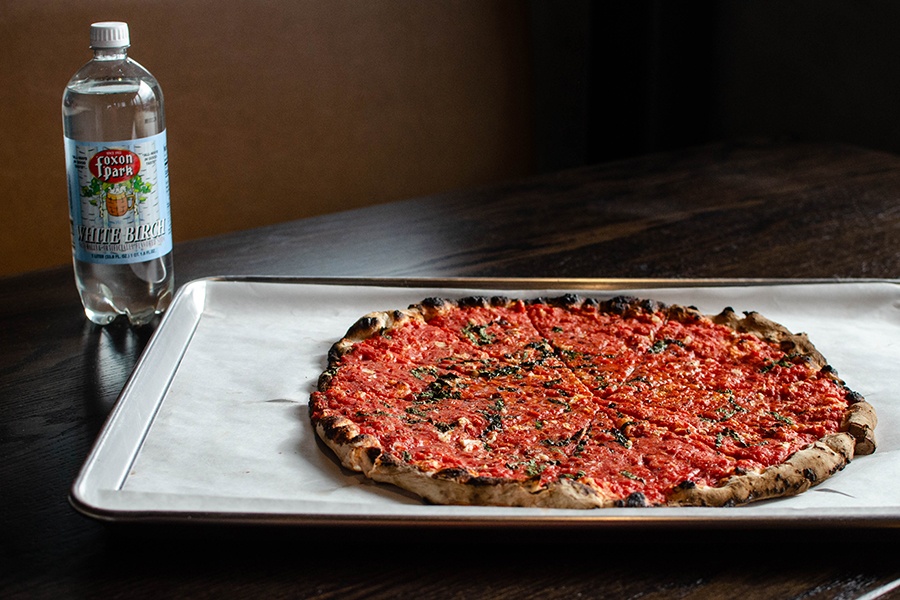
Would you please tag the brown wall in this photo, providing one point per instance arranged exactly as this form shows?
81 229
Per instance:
276 110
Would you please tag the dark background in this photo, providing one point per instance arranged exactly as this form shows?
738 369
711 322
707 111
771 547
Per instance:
619 79
281 110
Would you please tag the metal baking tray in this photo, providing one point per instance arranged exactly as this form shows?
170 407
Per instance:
212 425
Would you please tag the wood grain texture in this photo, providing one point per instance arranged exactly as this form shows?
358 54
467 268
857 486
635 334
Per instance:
735 211
722 211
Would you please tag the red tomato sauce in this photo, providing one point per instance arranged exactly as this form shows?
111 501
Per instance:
627 404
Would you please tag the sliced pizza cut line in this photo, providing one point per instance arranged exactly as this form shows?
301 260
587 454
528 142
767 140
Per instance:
443 419
576 403
639 463
602 342
498 326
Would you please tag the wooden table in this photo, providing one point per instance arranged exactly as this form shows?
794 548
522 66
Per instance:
744 211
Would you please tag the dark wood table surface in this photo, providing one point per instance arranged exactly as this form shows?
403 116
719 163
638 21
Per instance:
754 210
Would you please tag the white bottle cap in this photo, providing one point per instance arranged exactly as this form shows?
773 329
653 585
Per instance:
110 34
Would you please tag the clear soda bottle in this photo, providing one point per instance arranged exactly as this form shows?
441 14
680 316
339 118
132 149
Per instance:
118 181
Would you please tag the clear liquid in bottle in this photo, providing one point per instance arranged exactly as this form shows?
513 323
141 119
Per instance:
114 127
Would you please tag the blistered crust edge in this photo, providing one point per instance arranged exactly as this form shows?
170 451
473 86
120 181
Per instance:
362 453
860 418
802 470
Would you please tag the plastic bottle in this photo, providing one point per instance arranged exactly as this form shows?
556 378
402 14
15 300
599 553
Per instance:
118 179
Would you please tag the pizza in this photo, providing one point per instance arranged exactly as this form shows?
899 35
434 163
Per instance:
575 402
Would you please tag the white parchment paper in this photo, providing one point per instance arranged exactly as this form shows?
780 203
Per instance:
232 432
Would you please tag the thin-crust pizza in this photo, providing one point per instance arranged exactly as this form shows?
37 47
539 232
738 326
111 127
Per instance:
572 402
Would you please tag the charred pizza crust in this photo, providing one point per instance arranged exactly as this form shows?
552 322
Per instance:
365 453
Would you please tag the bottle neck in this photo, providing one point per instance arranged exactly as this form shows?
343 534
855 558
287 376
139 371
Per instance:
111 53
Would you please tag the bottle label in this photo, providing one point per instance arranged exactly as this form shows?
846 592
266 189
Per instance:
119 199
